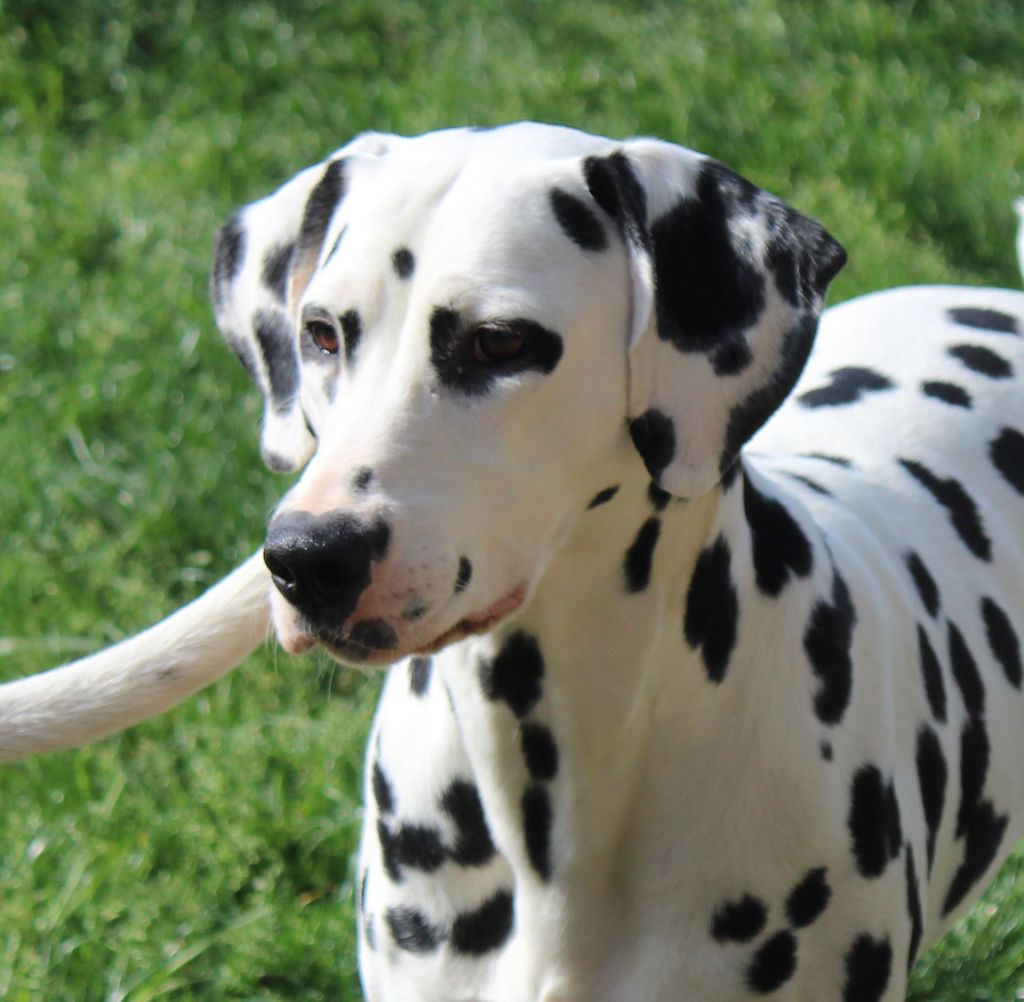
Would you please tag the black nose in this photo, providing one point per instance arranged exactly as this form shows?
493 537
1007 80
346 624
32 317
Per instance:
321 563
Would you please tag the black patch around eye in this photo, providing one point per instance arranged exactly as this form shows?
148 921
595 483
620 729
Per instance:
924 582
781 550
948 393
808 899
351 329
847 386
712 609
932 776
473 844
478 932
739 921
577 221
275 270
931 673
827 642
419 675
913 908
403 262
654 436
1007 455
640 556
412 931
452 353
274 335
959 505
603 497
982 360
514 675
994 321
228 257
539 751
537 823
868 967
773 964
1002 639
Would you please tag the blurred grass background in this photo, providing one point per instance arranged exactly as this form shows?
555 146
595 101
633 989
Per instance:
207 854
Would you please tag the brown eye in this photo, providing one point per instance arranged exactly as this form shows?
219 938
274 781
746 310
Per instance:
495 344
323 335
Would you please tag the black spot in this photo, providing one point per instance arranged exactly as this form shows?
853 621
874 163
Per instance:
411 930
781 550
458 369
613 184
320 206
228 257
868 967
731 358
416 847
808 482
1002 640
274 335
473 844
739 921
965 671
275 270
515 673
539 750
931 672
577 220
808 899
654 436
712 609
640 555
419 674
932 775
974 760
603 497
841 461
362 479
980 850
873 822
994 321
382 794
1007 454
657 496
847 386
537 829
478 932
463 575
924 582
774 963
335 245
826 751
982 360
913 908
827 641
959 505
388 852
948 393
403 262
729 474
373 635
351 330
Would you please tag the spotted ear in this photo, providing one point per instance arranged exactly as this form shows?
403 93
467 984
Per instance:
264 257
727 283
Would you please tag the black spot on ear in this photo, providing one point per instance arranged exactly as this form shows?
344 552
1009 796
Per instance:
932 776
712 609
965 671
948 393
654 436
774 963
473 844
959 505
412 931
539 750
403 262
362 479
993 321
739 921
351 329
868 968
980 850
537 829
1007 455
827 641
382 790
228 257
1002 640
974 759
275 270
924 583
873 821
515 673
640 555
847 386
982 360
603 497
931 673
419 675
781 550
613 184
320 206
577 221
463 575
478 932
274 336
808 899
913 908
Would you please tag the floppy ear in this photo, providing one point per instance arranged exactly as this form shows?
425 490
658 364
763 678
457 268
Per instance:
264 257
728 283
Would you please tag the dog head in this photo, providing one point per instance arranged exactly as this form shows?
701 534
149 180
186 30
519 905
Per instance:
470 332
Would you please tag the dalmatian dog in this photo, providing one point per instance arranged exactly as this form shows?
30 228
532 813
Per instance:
705 680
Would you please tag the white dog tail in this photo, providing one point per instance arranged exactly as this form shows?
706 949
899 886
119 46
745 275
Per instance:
141 676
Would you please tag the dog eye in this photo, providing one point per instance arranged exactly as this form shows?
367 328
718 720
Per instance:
494 344
323 335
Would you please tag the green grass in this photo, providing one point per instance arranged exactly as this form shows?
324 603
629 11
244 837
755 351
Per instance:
207 854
